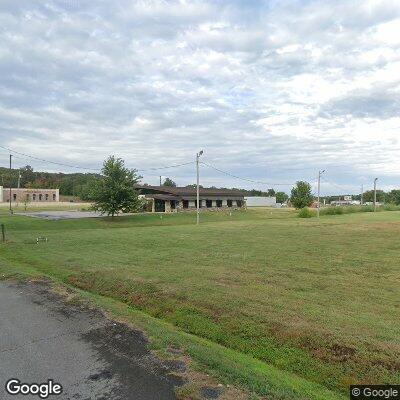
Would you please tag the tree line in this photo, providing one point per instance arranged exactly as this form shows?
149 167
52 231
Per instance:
74 184
301 196
81 184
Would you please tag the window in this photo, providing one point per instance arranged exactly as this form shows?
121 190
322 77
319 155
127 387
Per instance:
229 203
40 197
208 203
200 203
185 203
15 196
47 197
219 203
239 203
34 197
54 197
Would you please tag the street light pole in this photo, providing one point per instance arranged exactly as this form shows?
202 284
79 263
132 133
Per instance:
375 194
362 194
319 188
10 182
198 186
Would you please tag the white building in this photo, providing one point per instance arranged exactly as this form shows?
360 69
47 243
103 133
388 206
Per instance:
258 201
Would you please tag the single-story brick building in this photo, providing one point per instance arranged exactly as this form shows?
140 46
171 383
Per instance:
29 195
168 199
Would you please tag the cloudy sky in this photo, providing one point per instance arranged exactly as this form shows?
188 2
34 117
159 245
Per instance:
270 90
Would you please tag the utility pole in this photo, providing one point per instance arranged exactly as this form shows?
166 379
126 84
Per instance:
160 181
10 182
375 193
319 189
198 186
362 195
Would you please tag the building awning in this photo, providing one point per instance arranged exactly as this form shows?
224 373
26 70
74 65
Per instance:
161 196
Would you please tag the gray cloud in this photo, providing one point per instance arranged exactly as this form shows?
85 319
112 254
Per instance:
377 102
271 91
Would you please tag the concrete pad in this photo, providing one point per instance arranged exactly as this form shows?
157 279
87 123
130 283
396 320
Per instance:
58 215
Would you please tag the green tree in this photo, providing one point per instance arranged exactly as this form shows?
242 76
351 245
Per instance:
27 175
301 195
115 191
281 197
169 182
393 196
369 196
271 192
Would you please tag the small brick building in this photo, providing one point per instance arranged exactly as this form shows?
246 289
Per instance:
29 195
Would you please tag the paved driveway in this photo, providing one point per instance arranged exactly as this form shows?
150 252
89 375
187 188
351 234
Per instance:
42 337
56 215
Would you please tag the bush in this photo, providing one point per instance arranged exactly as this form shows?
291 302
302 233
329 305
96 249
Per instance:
390 207
332 211
368 209
305 213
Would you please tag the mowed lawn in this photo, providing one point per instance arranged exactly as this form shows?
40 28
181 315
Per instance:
320 299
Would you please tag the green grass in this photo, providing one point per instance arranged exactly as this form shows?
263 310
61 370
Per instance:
335 210
38 206
293 305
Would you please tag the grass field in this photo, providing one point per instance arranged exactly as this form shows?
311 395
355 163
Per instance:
299 304
42 206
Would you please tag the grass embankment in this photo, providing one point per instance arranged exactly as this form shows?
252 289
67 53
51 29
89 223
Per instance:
317 300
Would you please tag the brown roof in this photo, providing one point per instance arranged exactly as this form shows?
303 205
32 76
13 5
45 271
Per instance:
184 191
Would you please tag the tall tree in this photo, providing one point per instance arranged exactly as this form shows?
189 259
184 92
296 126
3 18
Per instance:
169 182
115 191
281 197
301 195
369 196
394 196
27 175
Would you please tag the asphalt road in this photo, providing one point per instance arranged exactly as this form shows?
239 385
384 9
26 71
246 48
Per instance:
42 337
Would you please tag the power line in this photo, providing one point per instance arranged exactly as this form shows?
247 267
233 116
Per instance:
28 156
165 167
48 161
246 179
341 187
85 168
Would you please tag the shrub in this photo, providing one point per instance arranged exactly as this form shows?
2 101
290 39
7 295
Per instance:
390 207
368 208
305 213
332 211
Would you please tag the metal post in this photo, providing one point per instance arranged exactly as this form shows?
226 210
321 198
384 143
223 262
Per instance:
10 182
319 188
362 195
198 186
375 194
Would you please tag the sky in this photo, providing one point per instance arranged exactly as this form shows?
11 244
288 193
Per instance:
271 91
